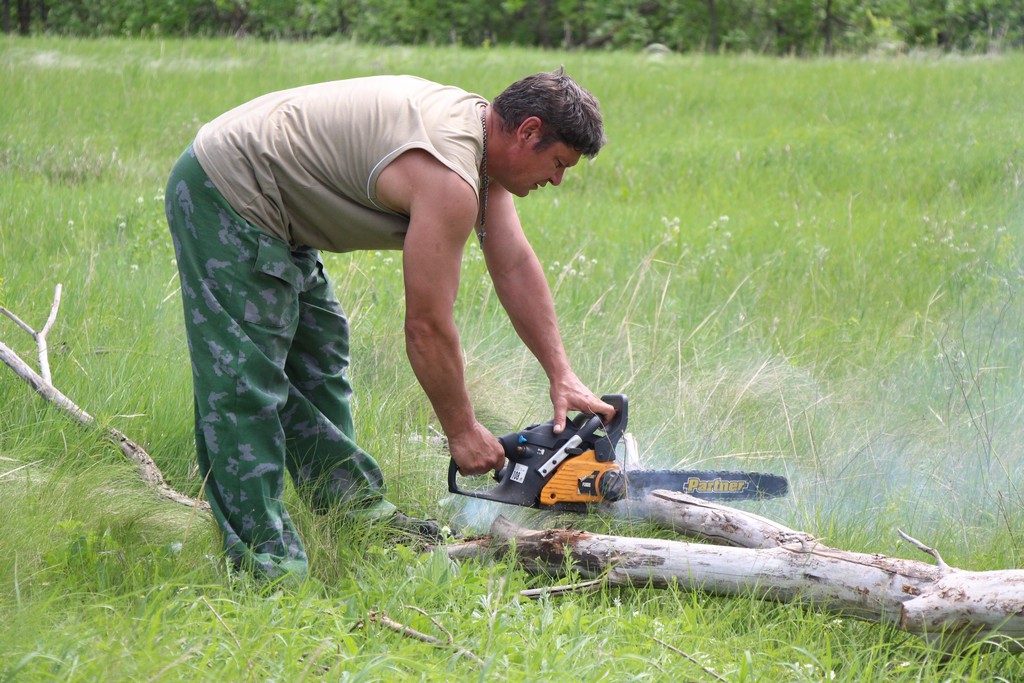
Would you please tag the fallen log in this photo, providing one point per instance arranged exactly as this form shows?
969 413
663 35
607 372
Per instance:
949 607
710 522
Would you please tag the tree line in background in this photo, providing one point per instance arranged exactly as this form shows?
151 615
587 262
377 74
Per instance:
800 27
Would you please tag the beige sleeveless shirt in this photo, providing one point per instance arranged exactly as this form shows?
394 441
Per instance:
303 163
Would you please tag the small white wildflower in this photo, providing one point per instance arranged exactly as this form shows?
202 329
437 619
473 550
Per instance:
134 267
723 219
139 200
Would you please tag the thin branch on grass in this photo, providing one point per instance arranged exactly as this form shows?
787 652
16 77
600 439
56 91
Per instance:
581 587
689 658
409 632
438 624
42 383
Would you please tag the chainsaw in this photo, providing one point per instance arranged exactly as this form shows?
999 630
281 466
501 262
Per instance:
580 467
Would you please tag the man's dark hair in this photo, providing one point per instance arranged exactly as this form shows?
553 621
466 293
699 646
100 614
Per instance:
569 113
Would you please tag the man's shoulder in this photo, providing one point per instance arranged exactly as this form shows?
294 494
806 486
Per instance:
418 174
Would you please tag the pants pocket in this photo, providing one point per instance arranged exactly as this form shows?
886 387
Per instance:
277 281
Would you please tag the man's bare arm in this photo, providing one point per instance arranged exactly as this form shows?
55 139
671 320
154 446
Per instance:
524 293
442 209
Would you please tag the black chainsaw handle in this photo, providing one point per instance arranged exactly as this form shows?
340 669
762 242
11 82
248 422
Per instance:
507 444
453 468
453 471
618 423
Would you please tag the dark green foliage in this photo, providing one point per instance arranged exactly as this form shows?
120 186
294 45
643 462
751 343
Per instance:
784 27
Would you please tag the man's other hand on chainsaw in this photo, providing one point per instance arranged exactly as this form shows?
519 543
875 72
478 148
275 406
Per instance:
570 394
476 450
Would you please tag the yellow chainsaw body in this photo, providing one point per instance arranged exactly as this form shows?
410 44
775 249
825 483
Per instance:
576 480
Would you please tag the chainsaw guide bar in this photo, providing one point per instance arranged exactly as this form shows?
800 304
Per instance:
708 484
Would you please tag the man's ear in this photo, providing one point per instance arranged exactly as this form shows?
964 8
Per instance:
530 129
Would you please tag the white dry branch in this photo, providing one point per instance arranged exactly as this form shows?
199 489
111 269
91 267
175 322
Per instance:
951 608
409 632
42 383
40 336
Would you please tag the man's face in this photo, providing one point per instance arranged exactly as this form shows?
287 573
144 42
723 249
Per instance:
531 167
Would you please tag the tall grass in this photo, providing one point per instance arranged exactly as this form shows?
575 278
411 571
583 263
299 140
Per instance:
810 267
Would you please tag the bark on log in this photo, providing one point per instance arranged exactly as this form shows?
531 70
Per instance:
949 607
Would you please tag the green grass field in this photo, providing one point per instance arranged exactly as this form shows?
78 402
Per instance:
808 267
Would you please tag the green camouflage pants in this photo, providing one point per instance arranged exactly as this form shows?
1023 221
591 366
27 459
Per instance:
270 350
